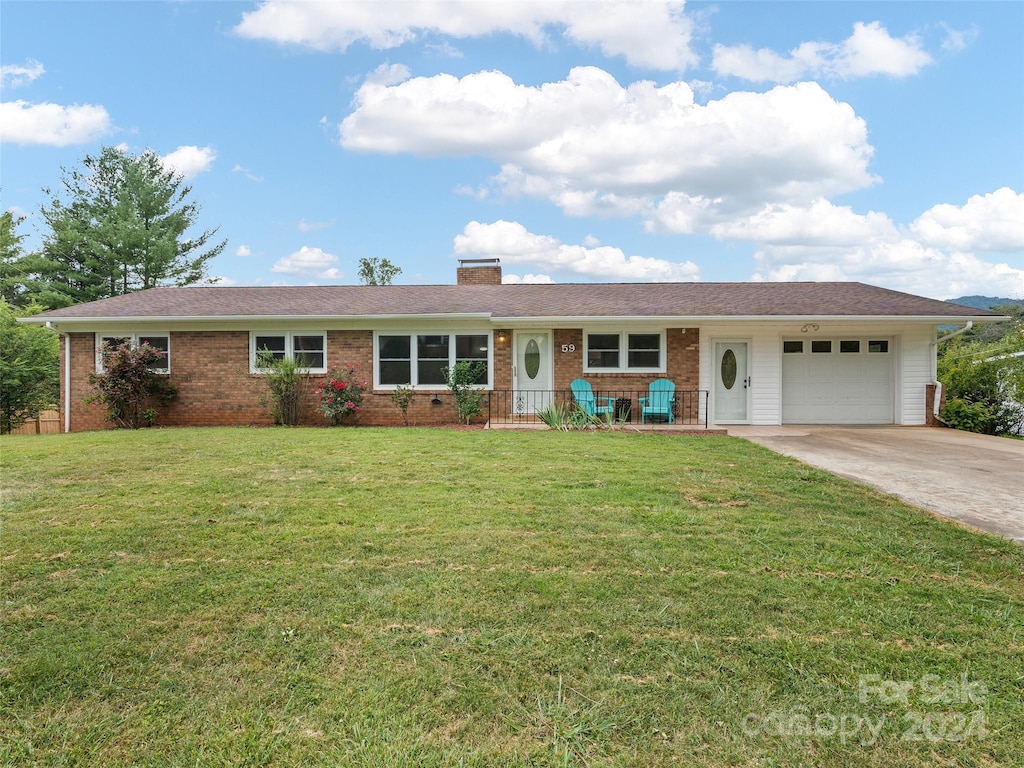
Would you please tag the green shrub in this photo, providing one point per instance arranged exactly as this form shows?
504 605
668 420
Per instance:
29 370
341 394
402 397
128 386
989 380
285 380
463 380
569 416
970 417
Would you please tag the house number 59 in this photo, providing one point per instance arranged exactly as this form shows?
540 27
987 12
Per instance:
568 347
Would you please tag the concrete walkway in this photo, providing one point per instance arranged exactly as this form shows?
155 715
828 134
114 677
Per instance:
976 479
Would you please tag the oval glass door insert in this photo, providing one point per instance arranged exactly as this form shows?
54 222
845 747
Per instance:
531 360
729 369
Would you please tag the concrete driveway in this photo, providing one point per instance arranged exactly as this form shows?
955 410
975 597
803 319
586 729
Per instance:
976 479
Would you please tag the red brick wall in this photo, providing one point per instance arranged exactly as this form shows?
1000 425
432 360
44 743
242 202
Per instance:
478 275
211 372
681 366
83 362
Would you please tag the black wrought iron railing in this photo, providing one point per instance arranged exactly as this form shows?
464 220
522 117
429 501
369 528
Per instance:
518 406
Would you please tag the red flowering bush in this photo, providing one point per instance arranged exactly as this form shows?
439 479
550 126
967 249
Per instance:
341 394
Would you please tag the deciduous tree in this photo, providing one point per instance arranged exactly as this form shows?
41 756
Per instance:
29 369
375 271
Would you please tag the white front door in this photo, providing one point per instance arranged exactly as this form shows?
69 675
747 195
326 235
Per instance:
531 373
732 382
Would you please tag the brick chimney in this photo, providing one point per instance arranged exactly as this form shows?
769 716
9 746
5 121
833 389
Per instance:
478 272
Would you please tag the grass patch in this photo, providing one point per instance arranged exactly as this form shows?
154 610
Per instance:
435 598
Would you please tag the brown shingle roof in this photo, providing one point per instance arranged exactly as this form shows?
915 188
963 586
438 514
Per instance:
566 300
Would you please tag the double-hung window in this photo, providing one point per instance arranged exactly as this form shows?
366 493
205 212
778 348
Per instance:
161 342
624 351
309 350
420 359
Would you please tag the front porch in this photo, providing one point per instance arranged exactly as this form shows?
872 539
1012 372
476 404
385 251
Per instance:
620 409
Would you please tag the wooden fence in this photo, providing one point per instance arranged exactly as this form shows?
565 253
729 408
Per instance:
46 423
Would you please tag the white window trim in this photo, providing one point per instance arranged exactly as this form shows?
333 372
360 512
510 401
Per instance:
623 366
289 348
133 340
413 362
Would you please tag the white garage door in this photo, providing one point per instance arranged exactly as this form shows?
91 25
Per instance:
844 380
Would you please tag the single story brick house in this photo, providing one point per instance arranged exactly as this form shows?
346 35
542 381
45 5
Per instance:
756 353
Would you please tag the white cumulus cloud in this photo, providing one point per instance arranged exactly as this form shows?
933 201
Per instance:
514 244
935 255
992 222
309 262
528 278
243 250
189 161
651 33
52 124
592 146
870 50
16 75
820 223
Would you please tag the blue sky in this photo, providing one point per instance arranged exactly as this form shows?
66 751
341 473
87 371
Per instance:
575 141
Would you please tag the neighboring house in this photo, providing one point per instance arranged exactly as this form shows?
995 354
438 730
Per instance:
766 353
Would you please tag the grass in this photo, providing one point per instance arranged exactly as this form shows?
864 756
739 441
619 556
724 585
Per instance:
326 597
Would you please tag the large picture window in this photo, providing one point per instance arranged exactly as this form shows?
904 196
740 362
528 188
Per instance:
419 359
161 342
309 350
624 351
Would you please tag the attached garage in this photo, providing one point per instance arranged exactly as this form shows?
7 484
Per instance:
839 380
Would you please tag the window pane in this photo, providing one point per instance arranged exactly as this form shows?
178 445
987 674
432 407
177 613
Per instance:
433 346
791 347
432 357
852 345
639 359
821 346
269 349
644 350
430 371
471 347
603 350
395 372
393 347
161 344
878 345
309 351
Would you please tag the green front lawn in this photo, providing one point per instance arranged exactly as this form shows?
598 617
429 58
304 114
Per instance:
387 597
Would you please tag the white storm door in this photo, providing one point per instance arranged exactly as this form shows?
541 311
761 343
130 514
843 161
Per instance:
732 382
531 373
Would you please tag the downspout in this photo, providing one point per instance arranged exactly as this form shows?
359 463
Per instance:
965 329
67 376
937 400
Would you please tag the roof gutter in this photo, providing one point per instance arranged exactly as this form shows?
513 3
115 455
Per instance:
165 319
694 319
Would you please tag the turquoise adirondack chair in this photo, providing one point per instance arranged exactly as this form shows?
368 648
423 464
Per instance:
589 403
661 394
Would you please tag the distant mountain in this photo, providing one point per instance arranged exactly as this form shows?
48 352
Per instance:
985 302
